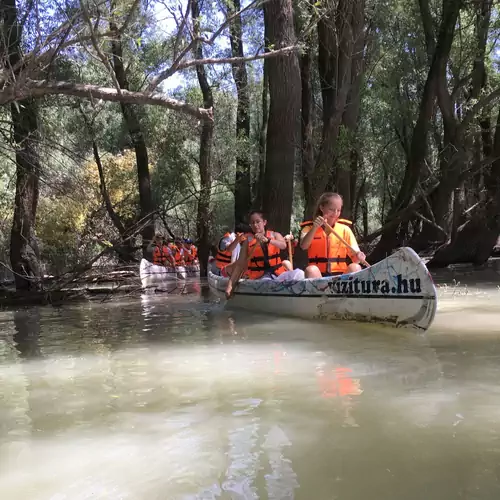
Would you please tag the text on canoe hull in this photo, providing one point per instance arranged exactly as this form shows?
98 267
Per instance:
355 286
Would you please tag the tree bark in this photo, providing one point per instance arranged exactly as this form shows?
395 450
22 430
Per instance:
260 182
24 253
242 186
283 134
138 141
203 221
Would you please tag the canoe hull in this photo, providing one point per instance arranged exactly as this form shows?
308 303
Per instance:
398 290
153 276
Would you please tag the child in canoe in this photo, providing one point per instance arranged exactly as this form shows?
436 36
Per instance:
260 255
228 250
327 255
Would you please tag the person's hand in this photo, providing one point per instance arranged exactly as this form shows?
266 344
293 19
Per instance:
361 256
240 237
318 222
289 237
261 238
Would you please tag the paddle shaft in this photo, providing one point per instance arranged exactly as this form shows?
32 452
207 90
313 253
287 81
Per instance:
331 230
290 252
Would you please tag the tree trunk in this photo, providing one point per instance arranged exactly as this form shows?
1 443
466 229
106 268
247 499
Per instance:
345 173
457 145
242 186
126 250
24 253
283 134
203 221
307 128
335 51
260 181
138 141
476 238
418 150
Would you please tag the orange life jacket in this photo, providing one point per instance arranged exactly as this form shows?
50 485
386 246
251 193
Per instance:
189 254
160 254
265 258
194 253
223 257
326 251
179 256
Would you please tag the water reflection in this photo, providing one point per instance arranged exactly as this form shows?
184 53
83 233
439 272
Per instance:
171 396
26 338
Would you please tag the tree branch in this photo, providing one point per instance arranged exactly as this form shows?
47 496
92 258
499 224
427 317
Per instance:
40 88
218 60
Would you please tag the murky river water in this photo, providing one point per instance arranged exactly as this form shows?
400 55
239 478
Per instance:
172 397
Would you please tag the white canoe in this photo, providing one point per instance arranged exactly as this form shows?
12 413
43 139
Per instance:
152 274
397 290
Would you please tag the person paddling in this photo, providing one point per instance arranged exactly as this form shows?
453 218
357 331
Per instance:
228 250
260 255
328 256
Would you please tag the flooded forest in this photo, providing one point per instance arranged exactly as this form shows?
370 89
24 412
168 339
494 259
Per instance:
124 117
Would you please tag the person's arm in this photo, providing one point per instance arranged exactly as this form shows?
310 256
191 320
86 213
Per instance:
357 256
277 240
306 241
239 238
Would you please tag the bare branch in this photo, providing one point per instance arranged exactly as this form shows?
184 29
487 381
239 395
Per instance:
40 88
236 60
95 44
177 65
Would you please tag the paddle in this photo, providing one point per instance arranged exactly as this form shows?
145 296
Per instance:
290 252
237 274
330 230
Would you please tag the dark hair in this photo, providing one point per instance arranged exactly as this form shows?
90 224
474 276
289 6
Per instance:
323 200
258 212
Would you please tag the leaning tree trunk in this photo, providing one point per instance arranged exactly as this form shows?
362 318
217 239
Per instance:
242 186
283 133
476 238
457 144
418 148
203 221
138 140
24 254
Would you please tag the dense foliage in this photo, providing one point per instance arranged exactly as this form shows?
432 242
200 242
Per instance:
393 103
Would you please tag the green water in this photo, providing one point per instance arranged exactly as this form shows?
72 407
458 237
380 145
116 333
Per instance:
173 397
